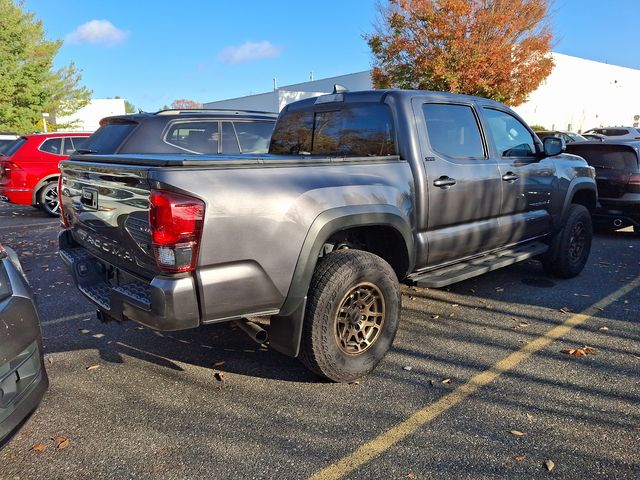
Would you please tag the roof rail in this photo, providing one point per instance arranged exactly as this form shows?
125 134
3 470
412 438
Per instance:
183 111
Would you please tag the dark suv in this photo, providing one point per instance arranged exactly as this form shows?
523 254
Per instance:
183 132
618 178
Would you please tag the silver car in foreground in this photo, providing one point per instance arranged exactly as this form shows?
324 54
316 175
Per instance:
23 379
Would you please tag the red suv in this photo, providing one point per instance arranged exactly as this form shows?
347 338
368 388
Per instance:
29 169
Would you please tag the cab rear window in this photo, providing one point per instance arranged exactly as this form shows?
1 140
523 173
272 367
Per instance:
359 131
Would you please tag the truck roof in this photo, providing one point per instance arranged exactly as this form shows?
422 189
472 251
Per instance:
380 96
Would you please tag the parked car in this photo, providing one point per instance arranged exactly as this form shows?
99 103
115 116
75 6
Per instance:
594 137
29 169
360 190
6 139
618 177
23 378
617 133
184 132
568 137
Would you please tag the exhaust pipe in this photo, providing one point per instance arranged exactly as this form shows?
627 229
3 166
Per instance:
617 223
255 331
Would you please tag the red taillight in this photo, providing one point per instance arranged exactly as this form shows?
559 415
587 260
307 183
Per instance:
7 166
175 221
63 218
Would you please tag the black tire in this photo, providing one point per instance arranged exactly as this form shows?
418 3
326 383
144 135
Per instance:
48 199
340 282
570 248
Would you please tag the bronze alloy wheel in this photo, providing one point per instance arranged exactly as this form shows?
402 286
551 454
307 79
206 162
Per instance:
359 319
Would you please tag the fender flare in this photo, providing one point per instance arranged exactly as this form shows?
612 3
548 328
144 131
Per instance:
285 332
40 184
576 185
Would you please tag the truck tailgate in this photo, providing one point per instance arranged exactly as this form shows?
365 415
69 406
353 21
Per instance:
106 207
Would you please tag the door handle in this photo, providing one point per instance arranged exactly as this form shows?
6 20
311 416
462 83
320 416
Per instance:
444 182
510 177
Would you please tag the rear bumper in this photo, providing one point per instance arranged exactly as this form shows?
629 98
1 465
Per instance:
164 303
619 212
21 196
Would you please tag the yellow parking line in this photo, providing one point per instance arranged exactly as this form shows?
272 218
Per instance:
384 441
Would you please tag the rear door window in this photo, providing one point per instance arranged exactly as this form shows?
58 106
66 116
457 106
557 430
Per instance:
78 141
453 130
67 146
194 137
511 137
229 139
254 136
52 145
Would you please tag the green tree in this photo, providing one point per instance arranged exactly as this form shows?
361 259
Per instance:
497 49
128 106
29 85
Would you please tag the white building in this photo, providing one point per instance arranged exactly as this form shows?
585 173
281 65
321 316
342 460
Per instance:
578 95
87 119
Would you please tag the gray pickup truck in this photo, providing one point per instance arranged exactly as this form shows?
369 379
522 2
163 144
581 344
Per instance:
359 191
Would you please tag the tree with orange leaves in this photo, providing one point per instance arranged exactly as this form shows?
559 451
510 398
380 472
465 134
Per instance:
496 49
185 104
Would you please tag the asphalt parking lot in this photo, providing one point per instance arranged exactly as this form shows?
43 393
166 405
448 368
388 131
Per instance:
476 385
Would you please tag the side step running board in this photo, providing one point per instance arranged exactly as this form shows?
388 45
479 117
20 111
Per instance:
472 268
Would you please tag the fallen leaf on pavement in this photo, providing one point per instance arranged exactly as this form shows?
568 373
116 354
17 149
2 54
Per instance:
455 305
549 464
408 368
565 310
435 317
84 330
447 381
64 444
98 335
58 438
93 367
604 328
579 352
219 376
517 433
519 457
38 447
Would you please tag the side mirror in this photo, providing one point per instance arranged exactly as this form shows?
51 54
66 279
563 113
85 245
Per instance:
553 146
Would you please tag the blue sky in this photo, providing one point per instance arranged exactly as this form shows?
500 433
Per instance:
153 52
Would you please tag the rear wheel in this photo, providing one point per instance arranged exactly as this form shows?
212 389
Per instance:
570 248
352 315
48 199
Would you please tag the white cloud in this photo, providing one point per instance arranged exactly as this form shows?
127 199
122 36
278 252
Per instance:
101 32
249 51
